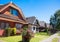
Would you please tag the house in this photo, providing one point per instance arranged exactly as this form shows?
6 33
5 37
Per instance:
33 24
48 26
42 26
11 16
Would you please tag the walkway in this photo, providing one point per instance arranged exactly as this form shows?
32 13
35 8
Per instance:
51 37
59 38
1 41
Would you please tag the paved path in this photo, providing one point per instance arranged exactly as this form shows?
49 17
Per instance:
59 38
51 37
1 41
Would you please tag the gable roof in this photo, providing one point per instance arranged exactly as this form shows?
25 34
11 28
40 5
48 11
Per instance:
37 23
31 20
42 24
48 25
3 7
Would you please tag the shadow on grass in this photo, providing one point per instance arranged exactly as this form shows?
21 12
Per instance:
19 41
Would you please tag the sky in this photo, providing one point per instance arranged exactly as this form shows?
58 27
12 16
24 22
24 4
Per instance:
41 9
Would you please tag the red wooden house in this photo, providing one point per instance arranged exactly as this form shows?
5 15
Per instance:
11 16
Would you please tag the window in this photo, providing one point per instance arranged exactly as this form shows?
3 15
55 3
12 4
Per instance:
4 25
33 28
37 29
18 25
14 12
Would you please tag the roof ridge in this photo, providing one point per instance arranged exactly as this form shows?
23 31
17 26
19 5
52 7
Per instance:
30 17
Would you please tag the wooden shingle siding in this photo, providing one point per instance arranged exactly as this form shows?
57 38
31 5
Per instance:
11 17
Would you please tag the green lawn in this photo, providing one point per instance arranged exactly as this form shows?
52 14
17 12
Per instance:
55 40
38 37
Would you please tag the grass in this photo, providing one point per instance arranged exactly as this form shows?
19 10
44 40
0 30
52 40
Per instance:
42 33
55 40
11 38
38 37
41 36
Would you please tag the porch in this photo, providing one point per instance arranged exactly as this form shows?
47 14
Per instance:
10 22
5 25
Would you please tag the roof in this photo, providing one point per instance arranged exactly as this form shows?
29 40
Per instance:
31 19
37 22
42 24
4 6
48 25
11 18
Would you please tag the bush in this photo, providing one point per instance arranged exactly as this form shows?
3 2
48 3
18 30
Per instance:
10 31
13 31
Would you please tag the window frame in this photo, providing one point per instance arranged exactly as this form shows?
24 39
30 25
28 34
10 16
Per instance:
4 25
14 12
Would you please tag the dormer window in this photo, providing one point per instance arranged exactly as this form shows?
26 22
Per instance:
14 12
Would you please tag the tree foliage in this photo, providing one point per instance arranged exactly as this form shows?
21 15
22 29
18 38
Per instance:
55 20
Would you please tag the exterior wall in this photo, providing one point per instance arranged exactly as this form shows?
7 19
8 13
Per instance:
34 30
37 29
6 11
30 27
11 25
34 26
2 24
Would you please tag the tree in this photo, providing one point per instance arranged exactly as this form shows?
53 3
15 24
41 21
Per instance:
57 16
26 34
55 20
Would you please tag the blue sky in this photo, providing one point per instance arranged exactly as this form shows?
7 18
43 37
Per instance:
41 9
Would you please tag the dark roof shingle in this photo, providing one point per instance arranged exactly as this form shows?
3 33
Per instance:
31 19
42 24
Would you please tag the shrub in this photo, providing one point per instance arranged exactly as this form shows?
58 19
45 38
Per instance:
13 31
8 31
